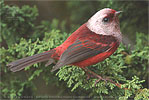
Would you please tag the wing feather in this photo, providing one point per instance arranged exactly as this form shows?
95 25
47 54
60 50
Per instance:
83 49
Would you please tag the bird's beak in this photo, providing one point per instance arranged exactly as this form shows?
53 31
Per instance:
118 12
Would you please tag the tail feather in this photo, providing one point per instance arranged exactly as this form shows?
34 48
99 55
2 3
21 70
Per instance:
24 62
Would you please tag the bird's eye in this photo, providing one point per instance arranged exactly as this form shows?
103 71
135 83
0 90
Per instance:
106 19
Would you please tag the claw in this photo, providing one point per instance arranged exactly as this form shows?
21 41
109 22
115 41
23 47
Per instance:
96 82
100 78
88 77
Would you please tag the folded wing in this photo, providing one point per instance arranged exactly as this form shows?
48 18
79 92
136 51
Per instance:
84 48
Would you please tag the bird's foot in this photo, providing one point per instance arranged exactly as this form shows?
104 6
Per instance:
93 74
100 78
90 74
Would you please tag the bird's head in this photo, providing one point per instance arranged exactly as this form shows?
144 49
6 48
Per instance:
105 22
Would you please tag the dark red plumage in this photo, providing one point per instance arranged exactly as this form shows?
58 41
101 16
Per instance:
84 40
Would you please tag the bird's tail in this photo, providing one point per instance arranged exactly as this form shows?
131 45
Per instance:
27 61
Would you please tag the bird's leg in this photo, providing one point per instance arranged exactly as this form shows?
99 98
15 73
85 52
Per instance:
88 74
100 78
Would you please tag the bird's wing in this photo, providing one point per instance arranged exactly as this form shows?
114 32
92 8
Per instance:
84 48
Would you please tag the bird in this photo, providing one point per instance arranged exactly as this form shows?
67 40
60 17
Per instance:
91 43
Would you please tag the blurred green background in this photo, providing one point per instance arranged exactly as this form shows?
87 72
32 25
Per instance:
30 27
74 13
